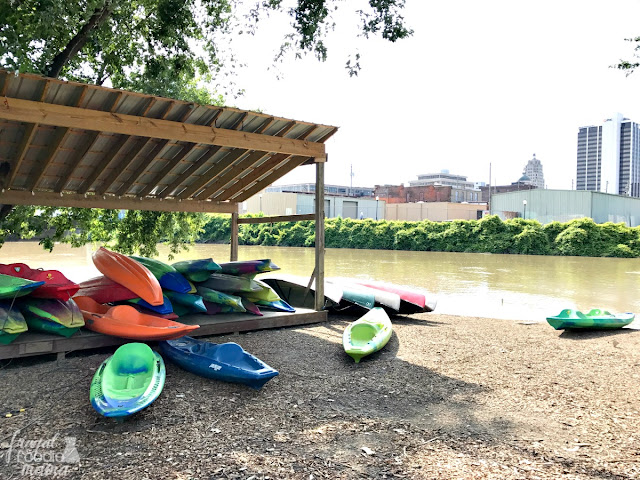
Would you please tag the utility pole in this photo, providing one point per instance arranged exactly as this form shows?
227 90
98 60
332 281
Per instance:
351 175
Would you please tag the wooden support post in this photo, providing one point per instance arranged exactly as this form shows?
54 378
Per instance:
319 269
234 236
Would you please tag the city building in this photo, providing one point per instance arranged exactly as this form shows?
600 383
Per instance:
432 187
533 170
608 157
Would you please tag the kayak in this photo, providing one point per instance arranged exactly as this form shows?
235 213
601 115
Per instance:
216 308
596 319
388 300
192 302
50 315
12 287
222 298
368 334
104 290
278 305
223 282
197 270
293 290
410 301
168 277
248 267
56 285
126 322
128 381
165 308
126 271
227 361
12 323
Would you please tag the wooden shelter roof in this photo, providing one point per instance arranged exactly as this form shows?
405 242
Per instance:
73 144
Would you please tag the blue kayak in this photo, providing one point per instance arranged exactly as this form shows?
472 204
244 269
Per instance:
226 361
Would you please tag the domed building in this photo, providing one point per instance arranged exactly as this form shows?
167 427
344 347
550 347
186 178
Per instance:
533 172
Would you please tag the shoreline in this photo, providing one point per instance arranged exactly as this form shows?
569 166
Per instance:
448 397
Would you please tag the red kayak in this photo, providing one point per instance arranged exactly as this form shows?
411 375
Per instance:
129 273
56 285
126 322
105 290
410 301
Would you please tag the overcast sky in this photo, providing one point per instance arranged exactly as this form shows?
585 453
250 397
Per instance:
479 83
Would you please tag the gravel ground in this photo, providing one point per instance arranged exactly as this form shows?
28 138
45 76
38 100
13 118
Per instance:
449 397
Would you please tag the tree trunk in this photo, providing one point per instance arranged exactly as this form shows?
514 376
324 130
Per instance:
79 40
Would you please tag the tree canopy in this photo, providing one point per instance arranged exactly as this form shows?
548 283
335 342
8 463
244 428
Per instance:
170 48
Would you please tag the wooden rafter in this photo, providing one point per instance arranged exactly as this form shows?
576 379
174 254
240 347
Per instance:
89 144
222 180
171 164
192 168
127 159
73 117
215 170
114 149
292 163
253 175
53 147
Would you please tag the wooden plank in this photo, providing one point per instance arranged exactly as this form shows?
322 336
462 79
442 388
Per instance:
86 119
210 174
20 197
155 151
319 252
122 165
278 218
31 344
194 167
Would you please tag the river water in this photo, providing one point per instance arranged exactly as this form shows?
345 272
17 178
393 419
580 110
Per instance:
518 287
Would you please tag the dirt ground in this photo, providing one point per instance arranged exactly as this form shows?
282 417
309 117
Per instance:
448 398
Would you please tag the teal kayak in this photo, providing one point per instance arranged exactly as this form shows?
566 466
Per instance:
128 381
368 334
596 319
197 270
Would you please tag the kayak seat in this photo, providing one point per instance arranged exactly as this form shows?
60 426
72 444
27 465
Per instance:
228 352
362 333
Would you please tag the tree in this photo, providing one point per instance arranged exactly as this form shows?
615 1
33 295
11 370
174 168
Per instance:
161 47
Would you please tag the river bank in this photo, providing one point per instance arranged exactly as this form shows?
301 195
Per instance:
449 397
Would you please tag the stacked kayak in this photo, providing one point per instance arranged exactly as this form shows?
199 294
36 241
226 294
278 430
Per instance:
50 315
55 285
126 322
295 290
12 287
410 301
128 381
367 335
595 319
12 322
227 361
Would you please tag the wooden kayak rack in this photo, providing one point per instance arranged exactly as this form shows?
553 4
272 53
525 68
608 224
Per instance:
33 343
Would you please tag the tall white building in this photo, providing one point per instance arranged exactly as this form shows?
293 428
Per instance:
609 157
533 170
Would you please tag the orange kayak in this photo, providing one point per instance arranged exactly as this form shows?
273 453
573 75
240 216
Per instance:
126 322
129 273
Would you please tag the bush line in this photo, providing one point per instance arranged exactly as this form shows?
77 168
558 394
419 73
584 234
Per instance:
579 237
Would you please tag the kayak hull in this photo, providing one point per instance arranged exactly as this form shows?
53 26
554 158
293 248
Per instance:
369 334
595 319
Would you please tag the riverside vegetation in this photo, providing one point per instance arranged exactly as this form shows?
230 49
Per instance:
579 237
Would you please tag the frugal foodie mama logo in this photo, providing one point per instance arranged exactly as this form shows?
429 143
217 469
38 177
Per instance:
44 457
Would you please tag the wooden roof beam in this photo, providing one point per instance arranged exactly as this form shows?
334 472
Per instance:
73 117
18 197
114 149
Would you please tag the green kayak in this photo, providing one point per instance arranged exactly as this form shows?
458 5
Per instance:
12 287
197 270
128 381
368 334
12 323
596 319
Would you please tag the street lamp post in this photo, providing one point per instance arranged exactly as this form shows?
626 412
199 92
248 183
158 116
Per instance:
524 205
377 198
